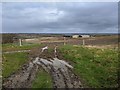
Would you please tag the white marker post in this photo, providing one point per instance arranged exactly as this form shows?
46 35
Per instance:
64 40
20 41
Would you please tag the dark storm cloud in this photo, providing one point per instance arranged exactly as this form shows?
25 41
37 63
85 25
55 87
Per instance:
60 17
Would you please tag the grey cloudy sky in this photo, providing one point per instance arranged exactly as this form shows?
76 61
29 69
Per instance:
66 17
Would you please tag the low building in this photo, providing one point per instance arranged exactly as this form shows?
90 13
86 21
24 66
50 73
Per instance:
85 36
75 36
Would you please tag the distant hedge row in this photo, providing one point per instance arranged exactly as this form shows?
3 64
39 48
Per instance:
8 38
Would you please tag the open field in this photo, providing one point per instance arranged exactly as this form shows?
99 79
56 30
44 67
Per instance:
94 64
56 44
101 40
97 67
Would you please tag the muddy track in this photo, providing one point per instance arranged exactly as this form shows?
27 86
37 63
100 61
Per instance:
61 73
23 78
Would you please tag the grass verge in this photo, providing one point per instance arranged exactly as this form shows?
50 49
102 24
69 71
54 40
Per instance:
12 62
97 67
15 47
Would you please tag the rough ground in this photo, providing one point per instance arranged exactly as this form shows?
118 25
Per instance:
60 70
23 78
61 73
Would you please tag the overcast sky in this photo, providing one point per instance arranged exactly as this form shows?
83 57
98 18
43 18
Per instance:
66 17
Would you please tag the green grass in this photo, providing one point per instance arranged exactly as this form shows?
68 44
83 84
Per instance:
15 47
12 62
42 80
96 67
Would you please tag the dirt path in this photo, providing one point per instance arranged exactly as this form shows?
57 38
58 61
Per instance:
17 51
61 73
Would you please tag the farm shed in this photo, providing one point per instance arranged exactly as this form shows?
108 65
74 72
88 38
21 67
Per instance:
75 36
85 36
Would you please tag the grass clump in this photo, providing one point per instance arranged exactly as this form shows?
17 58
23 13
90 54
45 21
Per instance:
42 80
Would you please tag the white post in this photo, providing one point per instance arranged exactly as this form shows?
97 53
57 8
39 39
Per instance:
20 40
83 42
64 40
